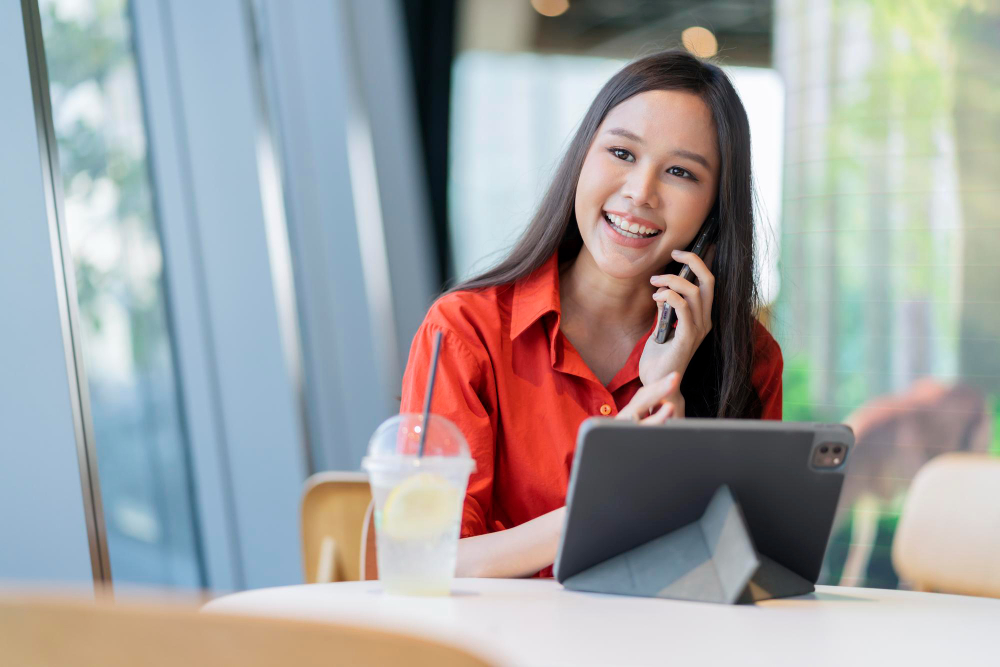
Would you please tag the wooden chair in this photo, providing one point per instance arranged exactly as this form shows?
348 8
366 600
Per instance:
46 633
895 436
948 538
334 508
369 561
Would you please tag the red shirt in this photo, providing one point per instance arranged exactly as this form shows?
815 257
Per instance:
518 390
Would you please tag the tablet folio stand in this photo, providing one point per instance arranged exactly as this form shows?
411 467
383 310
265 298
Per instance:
710 560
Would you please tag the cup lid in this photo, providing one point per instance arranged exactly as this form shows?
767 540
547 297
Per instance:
400 436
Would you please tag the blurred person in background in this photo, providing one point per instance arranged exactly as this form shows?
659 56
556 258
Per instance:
560 330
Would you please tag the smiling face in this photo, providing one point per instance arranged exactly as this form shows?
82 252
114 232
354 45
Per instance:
648 182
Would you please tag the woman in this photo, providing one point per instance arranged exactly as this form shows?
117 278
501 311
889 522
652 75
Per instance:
560 330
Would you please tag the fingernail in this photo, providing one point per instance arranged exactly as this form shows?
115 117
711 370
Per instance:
672 375
676 253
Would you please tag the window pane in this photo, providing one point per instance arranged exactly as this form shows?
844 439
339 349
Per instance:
140 440
888 313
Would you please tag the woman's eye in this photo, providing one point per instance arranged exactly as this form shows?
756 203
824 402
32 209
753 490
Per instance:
622 154
681 171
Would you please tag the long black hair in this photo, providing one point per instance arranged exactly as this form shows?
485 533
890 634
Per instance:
717 382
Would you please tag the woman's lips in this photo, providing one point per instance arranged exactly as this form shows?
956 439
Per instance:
621 239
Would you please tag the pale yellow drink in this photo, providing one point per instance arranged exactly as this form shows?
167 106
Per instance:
418 503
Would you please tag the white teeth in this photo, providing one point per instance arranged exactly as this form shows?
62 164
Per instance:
629 234
633 230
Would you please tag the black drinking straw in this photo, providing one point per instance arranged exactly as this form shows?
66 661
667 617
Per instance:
430 392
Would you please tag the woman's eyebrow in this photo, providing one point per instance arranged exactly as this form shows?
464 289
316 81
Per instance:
622 132
680 152
696 157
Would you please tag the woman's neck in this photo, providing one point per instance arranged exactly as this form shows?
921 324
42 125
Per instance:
588 294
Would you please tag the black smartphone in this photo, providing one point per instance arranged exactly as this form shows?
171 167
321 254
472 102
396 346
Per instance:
668 316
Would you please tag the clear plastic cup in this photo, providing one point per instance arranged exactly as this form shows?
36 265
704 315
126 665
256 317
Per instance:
418 502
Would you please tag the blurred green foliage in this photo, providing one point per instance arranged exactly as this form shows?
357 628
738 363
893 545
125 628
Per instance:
874 289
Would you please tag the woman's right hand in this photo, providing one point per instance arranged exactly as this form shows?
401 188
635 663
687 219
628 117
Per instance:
659 396
531 546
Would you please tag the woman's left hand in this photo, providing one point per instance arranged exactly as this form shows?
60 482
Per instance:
693 304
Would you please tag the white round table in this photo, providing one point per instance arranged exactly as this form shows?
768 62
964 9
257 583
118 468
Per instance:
537 622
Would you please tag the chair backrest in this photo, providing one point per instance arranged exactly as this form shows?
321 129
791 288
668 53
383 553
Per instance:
333 517
37 633
369 558
948 538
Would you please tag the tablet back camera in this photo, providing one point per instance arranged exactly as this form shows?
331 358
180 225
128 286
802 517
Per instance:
829 455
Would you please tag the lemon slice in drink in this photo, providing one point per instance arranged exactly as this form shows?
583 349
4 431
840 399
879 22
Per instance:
420 507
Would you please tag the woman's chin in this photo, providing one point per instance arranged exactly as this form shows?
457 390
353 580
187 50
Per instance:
623 266
623 263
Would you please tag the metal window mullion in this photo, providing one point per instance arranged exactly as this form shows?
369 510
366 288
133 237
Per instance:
189 312
212 57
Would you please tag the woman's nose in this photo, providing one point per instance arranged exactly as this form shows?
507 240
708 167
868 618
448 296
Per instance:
641 188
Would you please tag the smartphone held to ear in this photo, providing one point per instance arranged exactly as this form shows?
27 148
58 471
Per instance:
668 316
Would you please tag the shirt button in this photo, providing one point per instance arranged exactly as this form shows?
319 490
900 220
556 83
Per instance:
605 409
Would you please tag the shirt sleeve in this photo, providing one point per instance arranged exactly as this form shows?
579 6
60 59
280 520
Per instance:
767 369
465 393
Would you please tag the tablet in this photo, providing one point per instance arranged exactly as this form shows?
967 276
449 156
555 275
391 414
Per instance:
631 484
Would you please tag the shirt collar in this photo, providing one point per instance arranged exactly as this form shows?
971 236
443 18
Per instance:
535 296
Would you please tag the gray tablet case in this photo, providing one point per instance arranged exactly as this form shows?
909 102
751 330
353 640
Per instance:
709 555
